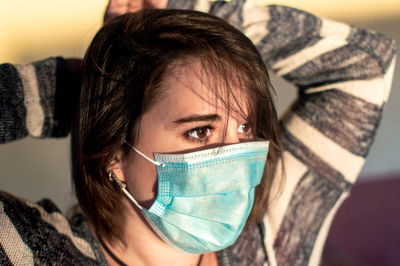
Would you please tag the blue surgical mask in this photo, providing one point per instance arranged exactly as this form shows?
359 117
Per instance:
205 197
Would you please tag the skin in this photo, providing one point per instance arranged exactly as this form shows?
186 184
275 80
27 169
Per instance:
187 117
119 7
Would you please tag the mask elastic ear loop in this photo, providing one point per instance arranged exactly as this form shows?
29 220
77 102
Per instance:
144 156
122 185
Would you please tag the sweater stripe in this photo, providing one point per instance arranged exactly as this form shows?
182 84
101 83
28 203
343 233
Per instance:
255 21
339 158
3 257
315 258
289 32
181 4
356 127
17 251
373 86
343 64
283 191
202 5
388 79
34 111
13 112
314 163
312 195
323 46
376 45
46 73
58 221
229 11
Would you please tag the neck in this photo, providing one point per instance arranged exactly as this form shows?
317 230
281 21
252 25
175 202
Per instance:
144 247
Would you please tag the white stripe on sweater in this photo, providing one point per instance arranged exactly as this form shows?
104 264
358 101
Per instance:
269 242
315 258
58 221
337 33
329 151
281 194
17 251
255 21
202 5
34 111
389 78
282 190
368 90
375 91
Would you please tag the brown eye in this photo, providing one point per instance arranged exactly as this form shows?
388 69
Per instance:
244 129
200 133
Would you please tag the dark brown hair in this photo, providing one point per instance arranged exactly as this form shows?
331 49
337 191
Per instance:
122 71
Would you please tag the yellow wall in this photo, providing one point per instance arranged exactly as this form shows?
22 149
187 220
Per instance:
33 29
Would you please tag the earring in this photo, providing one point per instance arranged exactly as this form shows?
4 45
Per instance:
113 177
122 185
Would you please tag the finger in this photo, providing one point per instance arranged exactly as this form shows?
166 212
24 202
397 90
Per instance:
155 3
116 8
135 5
115 5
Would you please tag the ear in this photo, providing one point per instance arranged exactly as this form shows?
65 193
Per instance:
116 165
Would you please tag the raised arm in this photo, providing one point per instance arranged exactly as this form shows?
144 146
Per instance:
343 75
36 98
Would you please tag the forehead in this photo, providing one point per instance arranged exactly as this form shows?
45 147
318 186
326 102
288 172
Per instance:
202 88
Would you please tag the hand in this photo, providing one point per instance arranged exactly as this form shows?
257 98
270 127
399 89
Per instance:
119 7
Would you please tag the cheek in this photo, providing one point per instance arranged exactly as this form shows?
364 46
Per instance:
141 180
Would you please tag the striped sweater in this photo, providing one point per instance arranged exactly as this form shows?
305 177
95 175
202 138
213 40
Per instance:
343 75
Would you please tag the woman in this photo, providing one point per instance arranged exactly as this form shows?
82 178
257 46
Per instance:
207 93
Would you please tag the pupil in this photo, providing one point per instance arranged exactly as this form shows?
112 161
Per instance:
201 133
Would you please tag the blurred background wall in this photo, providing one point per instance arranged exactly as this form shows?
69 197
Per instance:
31 30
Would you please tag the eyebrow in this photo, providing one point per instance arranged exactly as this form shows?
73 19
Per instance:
198 118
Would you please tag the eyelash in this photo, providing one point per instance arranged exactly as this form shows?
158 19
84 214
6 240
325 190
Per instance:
194 140
211 128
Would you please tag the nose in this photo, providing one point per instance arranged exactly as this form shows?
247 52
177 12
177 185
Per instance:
231 135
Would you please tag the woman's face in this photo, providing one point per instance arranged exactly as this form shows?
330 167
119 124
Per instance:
187 117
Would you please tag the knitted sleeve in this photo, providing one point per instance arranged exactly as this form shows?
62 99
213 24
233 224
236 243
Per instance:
343 75
35 100
39 234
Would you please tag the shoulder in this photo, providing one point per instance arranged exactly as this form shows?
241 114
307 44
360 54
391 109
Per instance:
38 233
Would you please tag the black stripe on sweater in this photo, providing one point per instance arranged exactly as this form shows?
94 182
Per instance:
48 246
3 257
289 31
12 108
380 47
46 78
347 120
316 193
181 4
245 250
299 230
228 11
312 161
342 64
